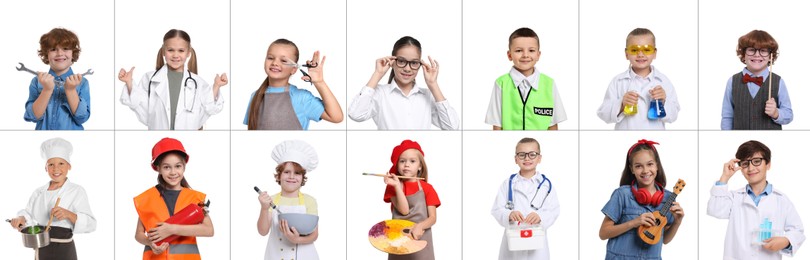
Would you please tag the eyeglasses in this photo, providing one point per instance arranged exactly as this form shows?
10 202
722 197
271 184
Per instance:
762 51
523 155
414 64
753 161
635 49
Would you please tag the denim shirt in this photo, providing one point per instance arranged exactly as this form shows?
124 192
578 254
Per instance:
622 208
57 114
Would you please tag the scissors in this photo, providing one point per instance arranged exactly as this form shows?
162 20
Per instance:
307 77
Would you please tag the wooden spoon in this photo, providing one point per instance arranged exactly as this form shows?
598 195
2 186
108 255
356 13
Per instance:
48 228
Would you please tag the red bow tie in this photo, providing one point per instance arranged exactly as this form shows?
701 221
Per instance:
756 80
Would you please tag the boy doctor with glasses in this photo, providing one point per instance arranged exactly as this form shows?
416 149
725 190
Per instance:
763 223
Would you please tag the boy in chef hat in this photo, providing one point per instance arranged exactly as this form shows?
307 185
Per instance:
295 158
71 215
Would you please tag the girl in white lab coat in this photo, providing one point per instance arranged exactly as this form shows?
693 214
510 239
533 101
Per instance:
641 192
72 215
533 201
748 208
279 105
173 97
295 159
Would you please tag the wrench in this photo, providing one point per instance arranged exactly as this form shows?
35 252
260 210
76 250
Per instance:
23 68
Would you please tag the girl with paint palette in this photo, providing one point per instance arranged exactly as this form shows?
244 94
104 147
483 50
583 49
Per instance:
412 199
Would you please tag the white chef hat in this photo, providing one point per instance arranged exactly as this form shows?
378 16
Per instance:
56 147
296 151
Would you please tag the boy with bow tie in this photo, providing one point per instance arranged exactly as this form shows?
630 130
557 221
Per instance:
750 102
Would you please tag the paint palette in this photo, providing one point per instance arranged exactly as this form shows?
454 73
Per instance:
393 237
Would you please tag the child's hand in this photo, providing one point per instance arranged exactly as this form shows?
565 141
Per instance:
630 98
46 80
72 82
417 231
126 76
18 222
163 230
264 200
158 249
658 92
776 243
729 169
316 71
392 180
220 80
646 219
677 211
515 216
382 65
770 108
290 233
532 218
431 71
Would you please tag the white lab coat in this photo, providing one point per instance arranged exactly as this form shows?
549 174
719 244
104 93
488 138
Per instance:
611 109
745 217
153 109
74 199
524 190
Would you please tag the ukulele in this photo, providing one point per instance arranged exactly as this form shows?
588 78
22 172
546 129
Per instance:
652 234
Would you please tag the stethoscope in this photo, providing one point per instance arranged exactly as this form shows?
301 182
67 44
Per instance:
185 86
511 206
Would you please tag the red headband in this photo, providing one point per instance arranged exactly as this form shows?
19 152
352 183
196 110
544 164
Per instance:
642 141
405 145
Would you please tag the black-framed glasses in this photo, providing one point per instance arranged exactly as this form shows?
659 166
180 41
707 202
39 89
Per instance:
762 51
753 161
531 155
414 64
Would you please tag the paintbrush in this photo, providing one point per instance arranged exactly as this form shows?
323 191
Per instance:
398 176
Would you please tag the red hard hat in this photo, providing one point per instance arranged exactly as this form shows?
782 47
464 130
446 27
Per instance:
167 145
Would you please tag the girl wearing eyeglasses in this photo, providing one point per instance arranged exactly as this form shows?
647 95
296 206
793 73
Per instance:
641 97
279 105
532 201
401 104
173 96
641 192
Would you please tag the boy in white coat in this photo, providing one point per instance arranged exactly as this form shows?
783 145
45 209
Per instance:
748 207
533 200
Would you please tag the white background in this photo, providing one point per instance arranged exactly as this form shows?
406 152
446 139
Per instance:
139 30
23 28
721 25
487 27
374 27
91 167
604 26
253 166
601 170
717 148
371 152
311 25
485 172
208 171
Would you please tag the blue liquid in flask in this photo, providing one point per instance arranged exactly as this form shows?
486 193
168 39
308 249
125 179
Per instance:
656 110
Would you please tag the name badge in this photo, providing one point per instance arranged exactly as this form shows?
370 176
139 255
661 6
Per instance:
544 111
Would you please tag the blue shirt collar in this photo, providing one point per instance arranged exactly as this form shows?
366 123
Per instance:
768 190
764 73
63 76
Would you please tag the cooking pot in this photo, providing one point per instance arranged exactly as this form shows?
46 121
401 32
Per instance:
35 237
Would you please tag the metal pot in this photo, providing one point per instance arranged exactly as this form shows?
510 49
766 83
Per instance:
38 240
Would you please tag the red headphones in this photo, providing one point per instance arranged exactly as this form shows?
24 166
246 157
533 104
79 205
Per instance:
643 196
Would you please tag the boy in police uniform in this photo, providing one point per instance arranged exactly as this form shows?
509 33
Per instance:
524 98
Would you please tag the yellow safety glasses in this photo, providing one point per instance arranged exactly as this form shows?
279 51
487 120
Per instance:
635 49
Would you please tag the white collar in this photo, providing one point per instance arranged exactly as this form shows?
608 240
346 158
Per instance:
518 77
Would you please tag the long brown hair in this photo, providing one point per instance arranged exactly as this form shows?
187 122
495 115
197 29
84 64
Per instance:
402 42
627 174
192 62
258 96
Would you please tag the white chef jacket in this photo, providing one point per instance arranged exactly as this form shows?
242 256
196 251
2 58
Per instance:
73 198
523 191
611 109
393 110
745 217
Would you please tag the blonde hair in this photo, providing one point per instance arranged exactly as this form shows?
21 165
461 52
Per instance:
176 33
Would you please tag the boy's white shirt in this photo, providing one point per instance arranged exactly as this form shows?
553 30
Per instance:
523 191
745 217
73 198
493 116
611 109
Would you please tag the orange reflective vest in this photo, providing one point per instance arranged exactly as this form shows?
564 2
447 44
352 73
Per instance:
152 210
